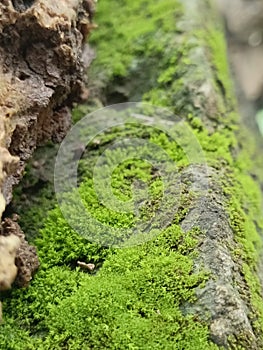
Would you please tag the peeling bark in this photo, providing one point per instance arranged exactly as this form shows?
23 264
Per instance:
41 73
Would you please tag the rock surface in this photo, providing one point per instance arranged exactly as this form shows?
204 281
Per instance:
41 74
26 259
8 270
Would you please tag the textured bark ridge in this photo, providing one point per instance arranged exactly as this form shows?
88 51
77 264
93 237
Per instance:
42 54
224 297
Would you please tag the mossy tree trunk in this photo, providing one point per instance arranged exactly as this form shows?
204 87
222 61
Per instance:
183 65
197 284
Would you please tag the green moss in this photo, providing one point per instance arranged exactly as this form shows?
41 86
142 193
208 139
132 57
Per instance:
245 208
217 47
118 27
134 299
133 302
137 287
13 337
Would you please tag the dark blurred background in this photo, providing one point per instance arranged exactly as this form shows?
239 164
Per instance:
244 31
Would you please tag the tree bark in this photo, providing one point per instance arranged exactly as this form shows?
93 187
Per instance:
42 60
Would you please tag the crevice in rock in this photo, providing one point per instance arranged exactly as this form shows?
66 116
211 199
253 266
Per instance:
22 5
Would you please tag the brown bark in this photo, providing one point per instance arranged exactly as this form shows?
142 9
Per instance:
42 59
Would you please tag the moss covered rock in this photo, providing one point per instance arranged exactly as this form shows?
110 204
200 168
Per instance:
195 284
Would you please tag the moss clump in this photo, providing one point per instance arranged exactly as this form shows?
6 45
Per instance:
245 211
133 302
136 292
130 303
135 23
135 299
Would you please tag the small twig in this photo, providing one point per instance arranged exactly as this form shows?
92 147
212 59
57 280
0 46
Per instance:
86 266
